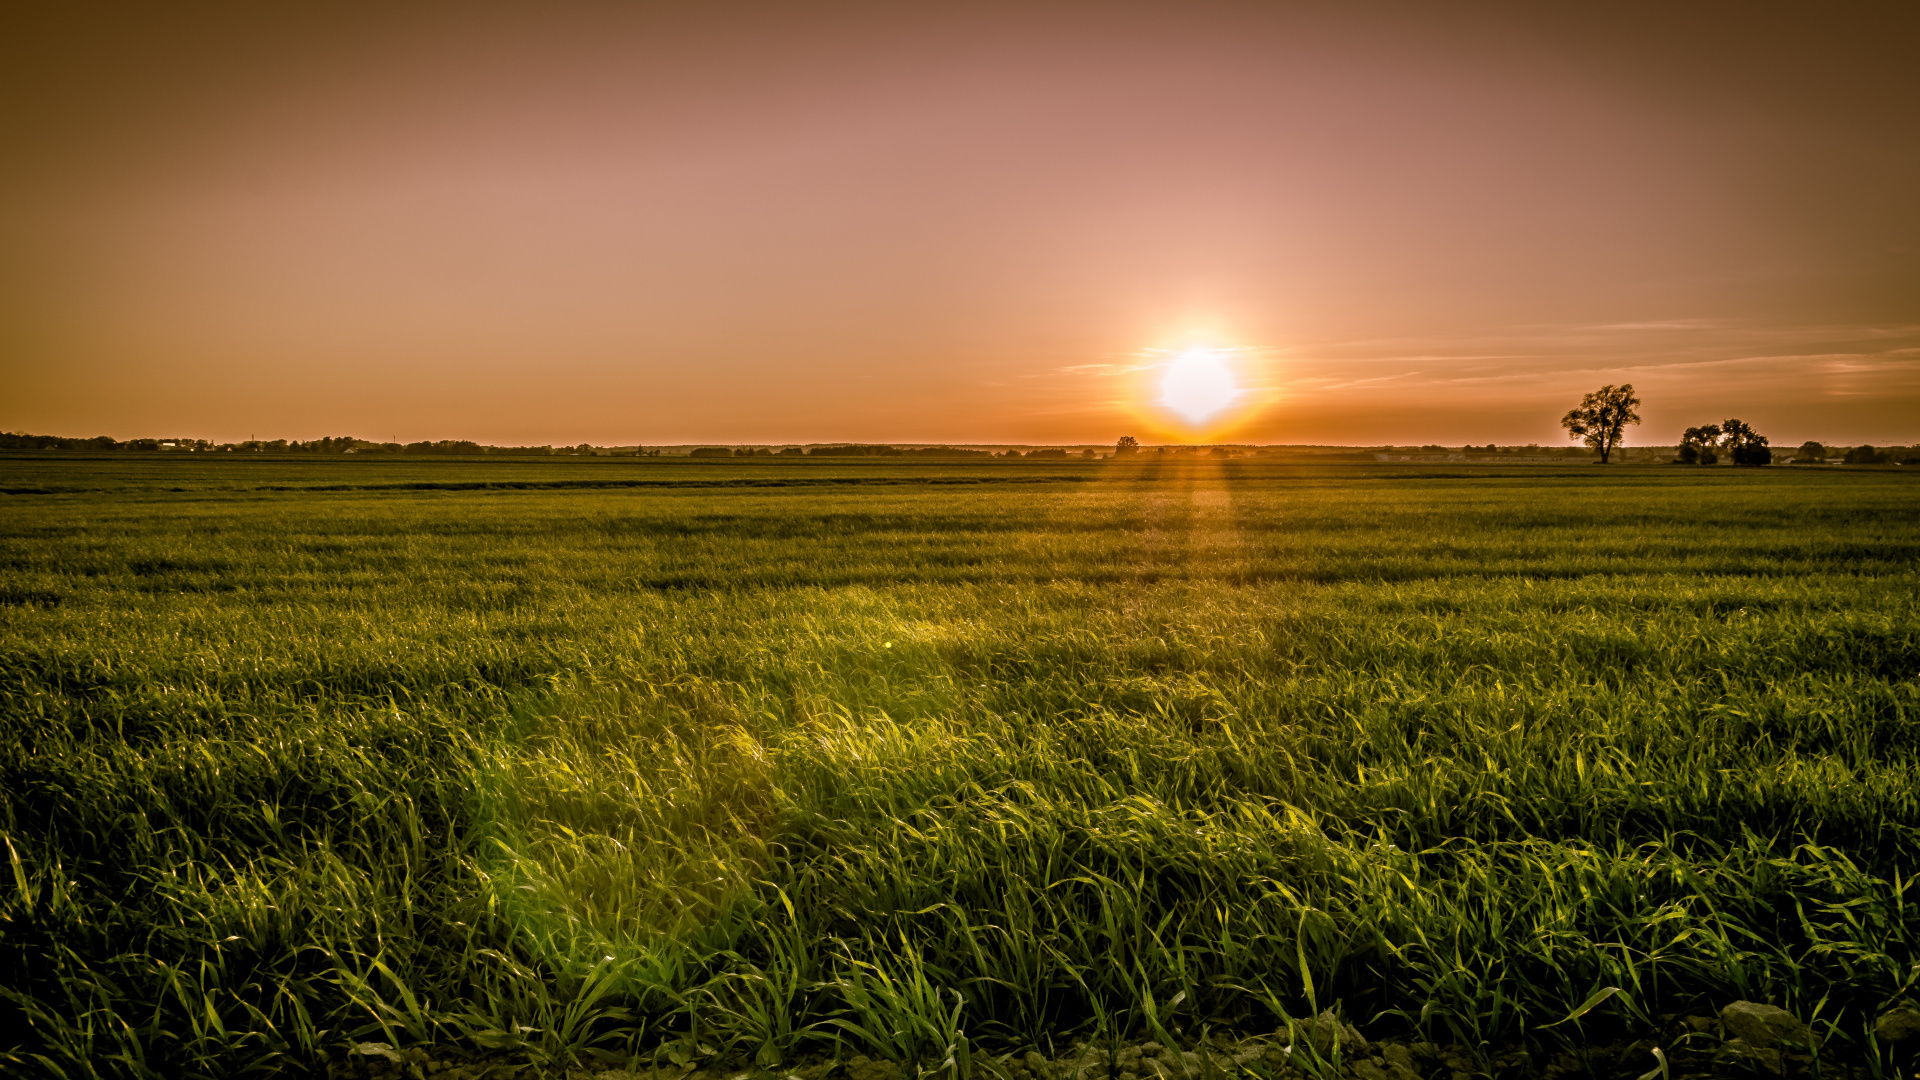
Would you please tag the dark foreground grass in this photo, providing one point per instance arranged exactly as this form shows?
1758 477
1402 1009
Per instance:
921 766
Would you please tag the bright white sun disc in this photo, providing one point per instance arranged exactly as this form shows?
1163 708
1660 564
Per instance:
1197 385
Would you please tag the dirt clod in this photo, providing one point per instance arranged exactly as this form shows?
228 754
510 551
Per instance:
1763 1027
1897 1025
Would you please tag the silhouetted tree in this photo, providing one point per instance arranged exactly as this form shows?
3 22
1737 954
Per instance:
1743 444
1697 443
1127 445
1811 451
1866 454
1601 418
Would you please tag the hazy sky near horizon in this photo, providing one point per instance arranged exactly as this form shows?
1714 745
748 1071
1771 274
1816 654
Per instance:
975 222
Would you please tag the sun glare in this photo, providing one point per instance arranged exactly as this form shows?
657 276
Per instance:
1198 385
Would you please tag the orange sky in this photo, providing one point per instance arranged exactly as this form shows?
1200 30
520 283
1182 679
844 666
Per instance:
959 222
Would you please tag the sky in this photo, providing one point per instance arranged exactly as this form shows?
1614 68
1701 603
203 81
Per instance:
959 222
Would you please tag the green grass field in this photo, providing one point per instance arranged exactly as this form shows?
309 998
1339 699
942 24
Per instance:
766 759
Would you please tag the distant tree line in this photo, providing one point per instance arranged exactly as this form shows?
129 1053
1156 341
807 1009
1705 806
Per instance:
1813 453
20 441
331 445
1047 452
879 450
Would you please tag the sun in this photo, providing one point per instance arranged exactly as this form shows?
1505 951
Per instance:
1198 385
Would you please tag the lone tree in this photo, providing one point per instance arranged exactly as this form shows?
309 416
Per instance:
1127 445
1602 417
